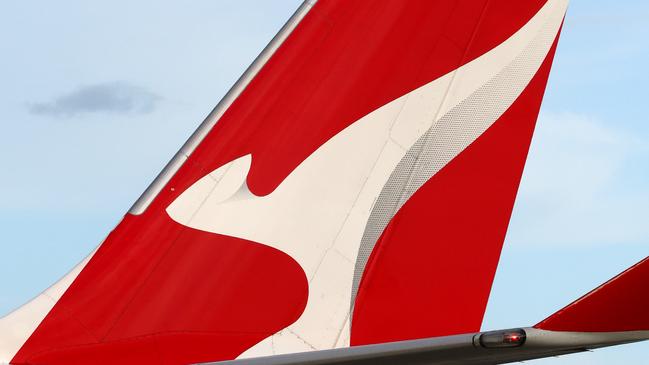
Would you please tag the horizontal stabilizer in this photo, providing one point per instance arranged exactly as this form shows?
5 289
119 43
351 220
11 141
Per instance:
485 348
613 314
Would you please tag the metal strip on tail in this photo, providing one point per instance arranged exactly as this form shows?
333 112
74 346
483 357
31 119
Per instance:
197 137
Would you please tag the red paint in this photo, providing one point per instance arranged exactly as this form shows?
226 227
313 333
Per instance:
348 58
199 297
619 305
431 272
159 293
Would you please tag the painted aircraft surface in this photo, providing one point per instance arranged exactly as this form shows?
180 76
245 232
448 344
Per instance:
349 207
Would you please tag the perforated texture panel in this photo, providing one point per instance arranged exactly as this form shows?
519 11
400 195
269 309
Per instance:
448 137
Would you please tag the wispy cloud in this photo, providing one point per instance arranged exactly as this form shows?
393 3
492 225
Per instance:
113 98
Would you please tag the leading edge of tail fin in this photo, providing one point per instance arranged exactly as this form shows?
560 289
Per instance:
619 305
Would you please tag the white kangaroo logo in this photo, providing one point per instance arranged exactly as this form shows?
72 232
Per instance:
319 213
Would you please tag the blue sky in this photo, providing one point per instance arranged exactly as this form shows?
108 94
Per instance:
95 98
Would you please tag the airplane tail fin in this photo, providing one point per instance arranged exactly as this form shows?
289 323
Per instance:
353 188
619 305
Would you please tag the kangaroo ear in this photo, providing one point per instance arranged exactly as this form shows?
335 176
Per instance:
226 182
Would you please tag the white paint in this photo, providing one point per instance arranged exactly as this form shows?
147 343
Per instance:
318 213
17 326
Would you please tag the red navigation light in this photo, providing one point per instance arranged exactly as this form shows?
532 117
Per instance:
512 338
501 339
